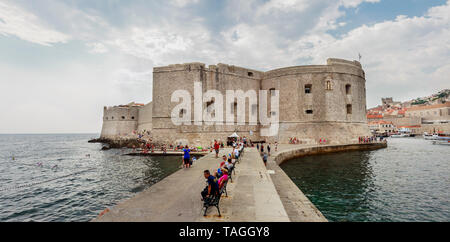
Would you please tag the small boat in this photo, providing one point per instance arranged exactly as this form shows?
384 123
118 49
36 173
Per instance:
442 141
428 136
401 135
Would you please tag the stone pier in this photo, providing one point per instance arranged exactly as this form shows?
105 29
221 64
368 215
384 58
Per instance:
257 193
252 196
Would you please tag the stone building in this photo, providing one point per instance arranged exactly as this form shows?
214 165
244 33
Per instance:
123 120
316 102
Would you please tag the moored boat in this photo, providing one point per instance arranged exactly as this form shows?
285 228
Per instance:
442 140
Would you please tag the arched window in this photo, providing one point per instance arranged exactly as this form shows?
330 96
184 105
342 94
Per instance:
348 89
308 88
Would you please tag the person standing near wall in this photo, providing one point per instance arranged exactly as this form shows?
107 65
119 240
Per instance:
216 148
187 157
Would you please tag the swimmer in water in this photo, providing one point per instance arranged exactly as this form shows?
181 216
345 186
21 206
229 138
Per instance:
39 164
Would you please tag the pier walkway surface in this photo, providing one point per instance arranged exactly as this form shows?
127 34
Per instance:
257 193
252 196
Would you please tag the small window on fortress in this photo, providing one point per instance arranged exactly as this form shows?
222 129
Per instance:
182 112
210 109
106 118
308 88
234 108
348 89
250 74
272 91
123 117
349 109
209 105
132 117
328 87
309 111
112 117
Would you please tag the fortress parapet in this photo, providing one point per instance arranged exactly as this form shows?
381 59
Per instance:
122 120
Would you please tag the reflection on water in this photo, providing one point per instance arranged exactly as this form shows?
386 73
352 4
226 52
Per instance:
68 185
408 181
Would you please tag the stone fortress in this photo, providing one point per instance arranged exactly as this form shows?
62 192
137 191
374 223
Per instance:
316 102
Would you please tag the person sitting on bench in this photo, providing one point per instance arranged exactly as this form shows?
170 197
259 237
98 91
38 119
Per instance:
223 178
213 186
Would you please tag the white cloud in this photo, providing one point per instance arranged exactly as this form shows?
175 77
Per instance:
97 48
25 25
183 3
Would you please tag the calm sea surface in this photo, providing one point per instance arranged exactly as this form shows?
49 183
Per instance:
69 186
408 181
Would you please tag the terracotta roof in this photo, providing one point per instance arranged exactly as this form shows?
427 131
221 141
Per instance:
374 116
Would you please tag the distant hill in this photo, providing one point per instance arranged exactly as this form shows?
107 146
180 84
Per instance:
440 97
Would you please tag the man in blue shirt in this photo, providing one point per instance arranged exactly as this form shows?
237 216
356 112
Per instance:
213 186
187 157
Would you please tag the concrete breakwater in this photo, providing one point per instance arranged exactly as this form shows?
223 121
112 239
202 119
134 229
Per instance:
298 207
288 153
257 193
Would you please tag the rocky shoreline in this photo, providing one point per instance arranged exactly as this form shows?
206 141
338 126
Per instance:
118 143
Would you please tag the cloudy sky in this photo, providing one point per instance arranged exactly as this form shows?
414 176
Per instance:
62 61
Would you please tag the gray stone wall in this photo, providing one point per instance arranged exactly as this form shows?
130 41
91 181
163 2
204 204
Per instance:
320 113
330 118
145 118
119 121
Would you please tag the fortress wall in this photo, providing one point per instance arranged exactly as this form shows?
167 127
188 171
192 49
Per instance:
329 119
145 118
119 121
167 80
219 77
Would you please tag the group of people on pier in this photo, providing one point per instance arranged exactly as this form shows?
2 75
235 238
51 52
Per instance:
217 179
369 139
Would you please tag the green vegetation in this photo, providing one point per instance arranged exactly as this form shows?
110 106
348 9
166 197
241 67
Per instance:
418 102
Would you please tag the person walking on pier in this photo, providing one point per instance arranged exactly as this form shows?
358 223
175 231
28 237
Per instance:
216 148
268 148
265 157
187 157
